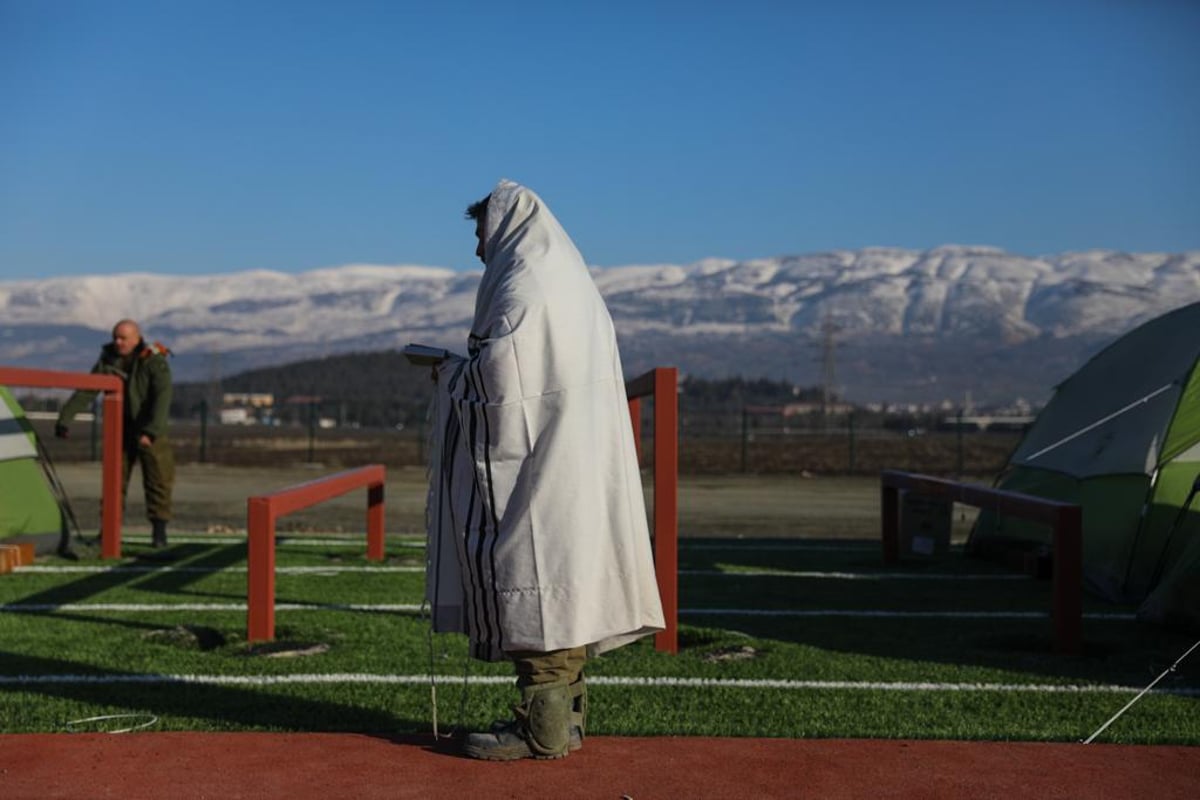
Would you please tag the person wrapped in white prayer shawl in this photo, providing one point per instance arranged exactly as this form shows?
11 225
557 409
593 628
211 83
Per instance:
539 550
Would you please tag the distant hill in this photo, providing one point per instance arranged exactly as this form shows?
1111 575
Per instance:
372 389
382 389
901 325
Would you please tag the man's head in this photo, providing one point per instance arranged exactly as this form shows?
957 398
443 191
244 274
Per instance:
478 212
125 337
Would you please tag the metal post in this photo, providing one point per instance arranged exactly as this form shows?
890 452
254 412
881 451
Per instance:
1068 581
375 548
635 418
745 436
203 430
850 430
890 502
959 464
95 429
312 430
260 570
666 502
110 492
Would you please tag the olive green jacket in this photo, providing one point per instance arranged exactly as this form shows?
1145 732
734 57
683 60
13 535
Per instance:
147 378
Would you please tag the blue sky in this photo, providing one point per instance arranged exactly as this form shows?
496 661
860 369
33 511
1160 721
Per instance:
208 137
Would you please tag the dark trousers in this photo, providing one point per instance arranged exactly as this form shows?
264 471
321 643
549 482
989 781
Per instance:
158 475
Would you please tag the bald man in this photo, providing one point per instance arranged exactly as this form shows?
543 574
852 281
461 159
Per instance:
147 377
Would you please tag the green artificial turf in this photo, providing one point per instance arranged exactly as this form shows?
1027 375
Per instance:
367 670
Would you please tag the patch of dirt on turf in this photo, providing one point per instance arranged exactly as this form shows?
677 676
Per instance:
739 653
287 649
187 637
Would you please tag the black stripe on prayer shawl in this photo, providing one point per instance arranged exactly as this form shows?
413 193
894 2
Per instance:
475 582
473 532
491 622
495 520
448 457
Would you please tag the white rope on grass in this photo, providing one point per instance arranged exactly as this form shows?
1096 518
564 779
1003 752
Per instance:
1141 693
72 725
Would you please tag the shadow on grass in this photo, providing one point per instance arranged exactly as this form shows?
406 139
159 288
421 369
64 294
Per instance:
226 706
1115 650
207 556
165 581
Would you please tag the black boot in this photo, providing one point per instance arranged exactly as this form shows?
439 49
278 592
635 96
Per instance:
159 537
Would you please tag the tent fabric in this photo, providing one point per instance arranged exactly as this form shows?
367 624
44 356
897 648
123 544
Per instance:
538 537
27 505
1112 415
1121 437
15 441
1184 433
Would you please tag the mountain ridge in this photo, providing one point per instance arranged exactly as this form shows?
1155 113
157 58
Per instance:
899 324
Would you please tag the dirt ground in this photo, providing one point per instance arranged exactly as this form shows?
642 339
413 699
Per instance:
212 496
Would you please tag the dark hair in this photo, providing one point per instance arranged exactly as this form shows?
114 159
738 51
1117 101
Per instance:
476 211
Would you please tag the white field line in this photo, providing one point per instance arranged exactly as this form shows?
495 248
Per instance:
331 570
854 576
410 607
41 607
888 614
630 681
419 543
278 570
282 539
832 548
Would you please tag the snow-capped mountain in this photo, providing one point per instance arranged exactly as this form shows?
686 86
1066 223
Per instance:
905 325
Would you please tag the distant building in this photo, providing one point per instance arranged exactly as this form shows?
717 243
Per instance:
236 416
800 409
248 399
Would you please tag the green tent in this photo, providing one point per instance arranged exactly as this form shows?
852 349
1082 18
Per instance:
1121 437
29 510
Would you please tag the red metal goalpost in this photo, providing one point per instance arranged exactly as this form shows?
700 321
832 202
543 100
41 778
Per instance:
114 418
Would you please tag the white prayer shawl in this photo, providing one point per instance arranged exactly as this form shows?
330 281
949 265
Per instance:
537 524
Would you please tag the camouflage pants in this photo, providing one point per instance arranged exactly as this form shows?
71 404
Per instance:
556 666
158 475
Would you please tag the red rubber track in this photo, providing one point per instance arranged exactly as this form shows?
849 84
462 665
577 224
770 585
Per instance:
228 766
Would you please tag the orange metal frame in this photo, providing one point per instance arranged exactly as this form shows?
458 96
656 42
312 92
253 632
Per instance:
262 511
662 384
114 419
1066 519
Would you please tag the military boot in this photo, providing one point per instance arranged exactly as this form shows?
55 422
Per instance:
578 691
541 728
